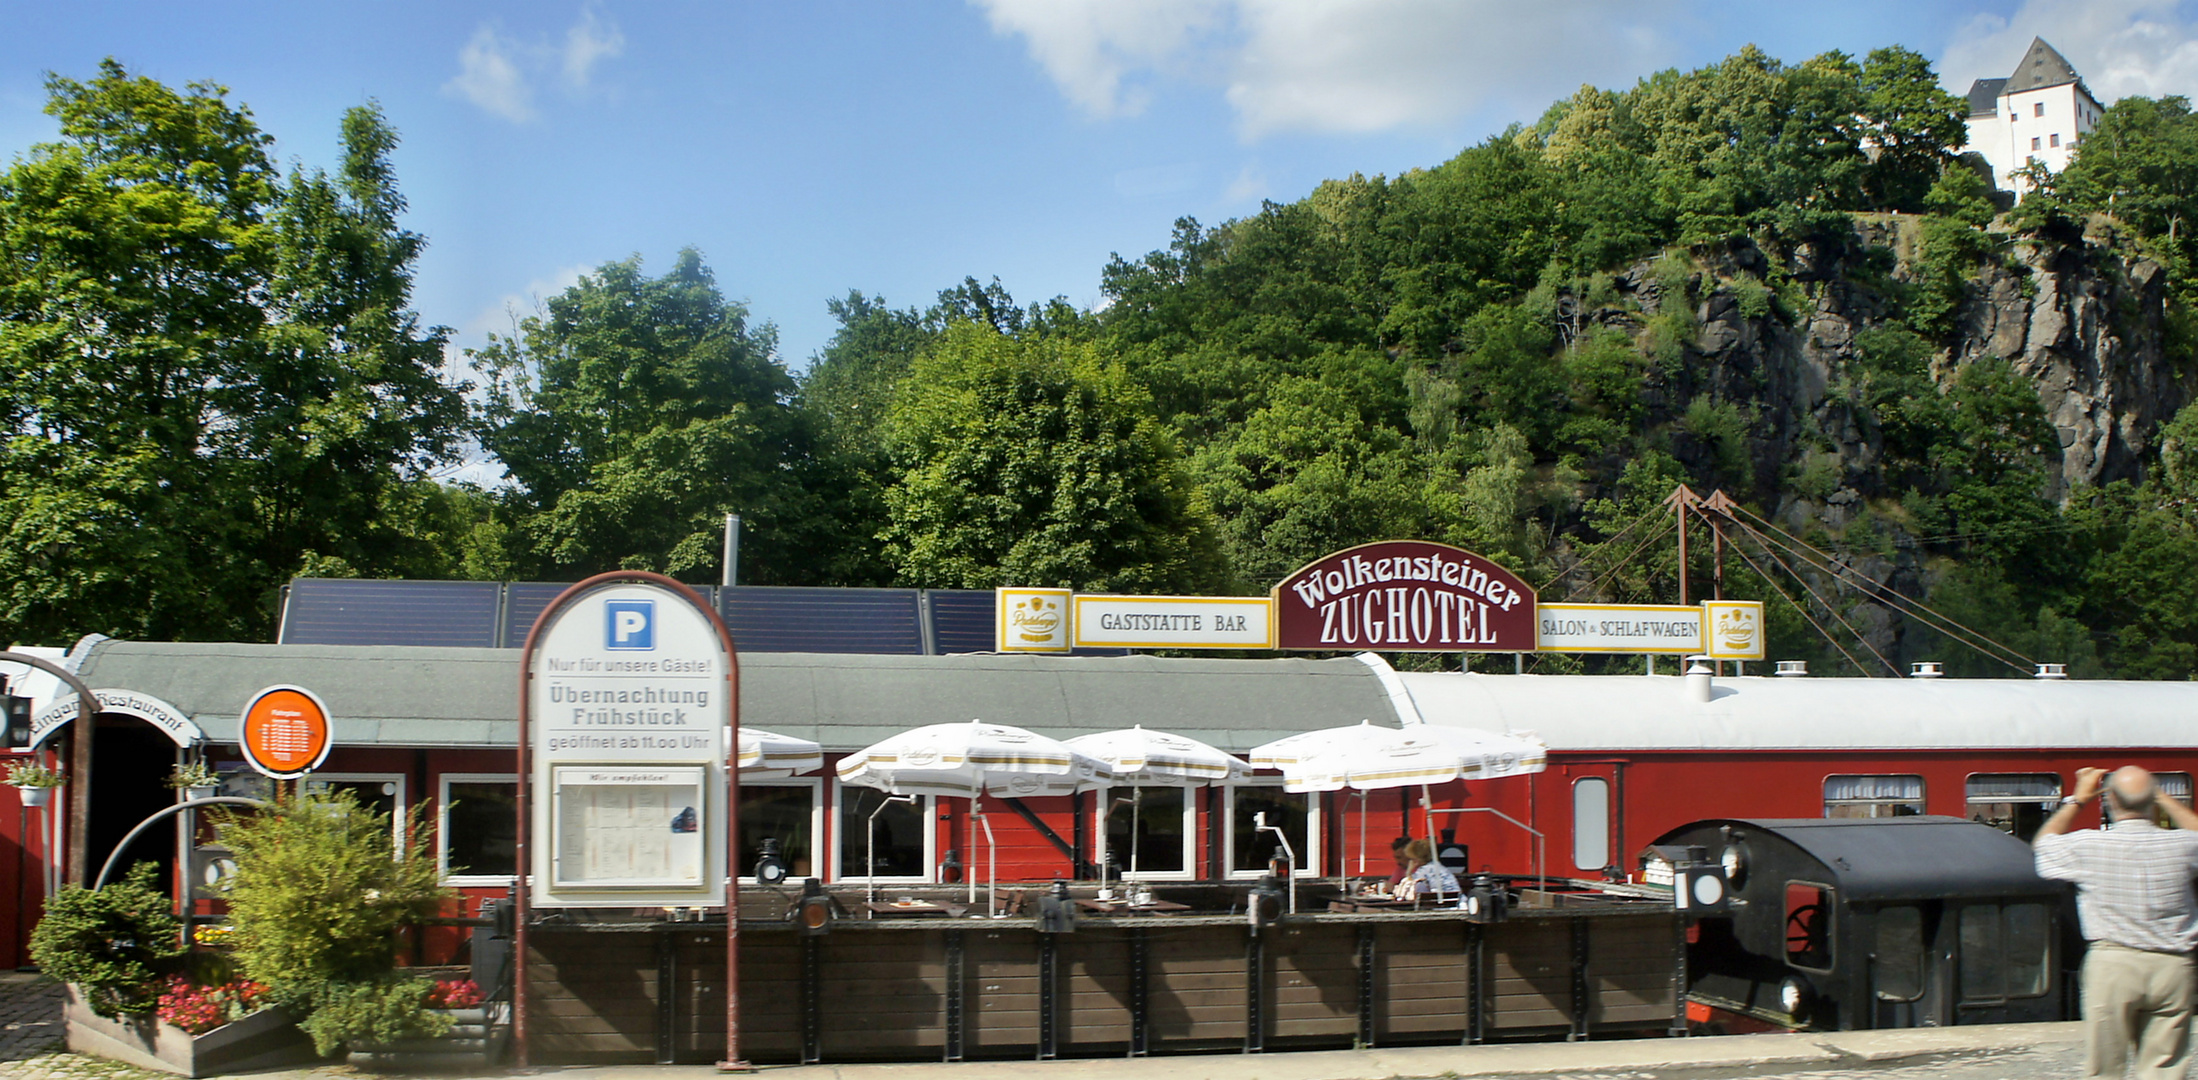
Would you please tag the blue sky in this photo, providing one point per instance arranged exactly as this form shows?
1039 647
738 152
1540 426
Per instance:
811 148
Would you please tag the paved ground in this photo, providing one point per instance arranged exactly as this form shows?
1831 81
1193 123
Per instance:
30 1038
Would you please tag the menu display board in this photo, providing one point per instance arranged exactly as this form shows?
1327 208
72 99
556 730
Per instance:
629 828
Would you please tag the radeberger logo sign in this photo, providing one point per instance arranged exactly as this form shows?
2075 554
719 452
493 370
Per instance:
1405 596
1033 620
1736 629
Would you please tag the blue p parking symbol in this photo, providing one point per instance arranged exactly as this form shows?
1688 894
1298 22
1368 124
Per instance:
629 624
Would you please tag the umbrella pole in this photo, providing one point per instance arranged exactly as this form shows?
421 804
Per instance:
1427 814
1362 808
976 810
992 870
1137 817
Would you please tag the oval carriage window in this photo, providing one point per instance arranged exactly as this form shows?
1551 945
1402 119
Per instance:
1590 823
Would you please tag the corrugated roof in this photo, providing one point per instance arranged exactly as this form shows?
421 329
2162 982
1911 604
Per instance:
1645 712
408 696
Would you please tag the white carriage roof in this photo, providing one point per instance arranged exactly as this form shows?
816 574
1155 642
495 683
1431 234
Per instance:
1653 712
461 697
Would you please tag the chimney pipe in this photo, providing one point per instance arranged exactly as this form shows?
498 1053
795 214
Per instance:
1699 679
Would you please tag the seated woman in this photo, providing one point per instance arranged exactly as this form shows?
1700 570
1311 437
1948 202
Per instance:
1426 876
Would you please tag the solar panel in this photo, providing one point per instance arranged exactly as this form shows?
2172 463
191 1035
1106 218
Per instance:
963 620
523 603
780 618
361 611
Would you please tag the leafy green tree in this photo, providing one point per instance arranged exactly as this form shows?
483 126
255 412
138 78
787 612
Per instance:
1037 462
634 413
208 378
1914 124
1310 473
2140 164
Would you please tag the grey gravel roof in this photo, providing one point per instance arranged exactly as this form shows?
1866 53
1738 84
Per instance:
452 697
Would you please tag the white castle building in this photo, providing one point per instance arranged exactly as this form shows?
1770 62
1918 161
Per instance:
2040 113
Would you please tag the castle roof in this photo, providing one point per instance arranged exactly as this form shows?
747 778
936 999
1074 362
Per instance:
2041 67
1984 96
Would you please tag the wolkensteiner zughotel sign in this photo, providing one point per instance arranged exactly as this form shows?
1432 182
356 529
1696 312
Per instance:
1405 596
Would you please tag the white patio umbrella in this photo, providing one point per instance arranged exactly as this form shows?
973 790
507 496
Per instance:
1141 758
1366 758
768 755
969 761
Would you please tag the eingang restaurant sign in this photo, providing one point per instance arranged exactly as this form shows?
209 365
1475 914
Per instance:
1407 596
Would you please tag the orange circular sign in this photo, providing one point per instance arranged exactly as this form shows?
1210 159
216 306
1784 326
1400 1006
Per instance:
285 732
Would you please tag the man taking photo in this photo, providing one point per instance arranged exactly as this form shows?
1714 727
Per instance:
2134 901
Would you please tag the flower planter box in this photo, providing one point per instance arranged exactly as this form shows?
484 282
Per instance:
476 1037
266 1039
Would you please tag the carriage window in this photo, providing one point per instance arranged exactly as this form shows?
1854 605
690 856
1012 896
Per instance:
899 834
1872 796
1250 850
1896 956
382 793
1148 831
2013 802
2004 951
1809 925
2174 785
480 827
787 813
1591 823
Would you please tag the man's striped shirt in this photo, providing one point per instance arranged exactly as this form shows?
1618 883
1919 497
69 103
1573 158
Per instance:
2133 883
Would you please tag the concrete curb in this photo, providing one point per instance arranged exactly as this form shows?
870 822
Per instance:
1807 1051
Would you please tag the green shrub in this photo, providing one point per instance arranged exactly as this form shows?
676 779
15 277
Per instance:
377 1012
113 944
318 899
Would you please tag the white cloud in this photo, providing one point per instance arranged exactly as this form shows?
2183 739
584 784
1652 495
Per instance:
2121 47
1339 65
499 73
1250 185
502 317
589 41
1090 48
489 76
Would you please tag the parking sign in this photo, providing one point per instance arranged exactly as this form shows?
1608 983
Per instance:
629 625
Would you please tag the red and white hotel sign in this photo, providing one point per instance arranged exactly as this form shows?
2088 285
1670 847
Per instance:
1405 596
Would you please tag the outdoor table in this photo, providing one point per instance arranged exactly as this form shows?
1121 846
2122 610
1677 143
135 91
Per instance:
890 908
1110 907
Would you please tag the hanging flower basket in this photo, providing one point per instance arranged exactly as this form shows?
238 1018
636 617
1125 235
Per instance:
33 781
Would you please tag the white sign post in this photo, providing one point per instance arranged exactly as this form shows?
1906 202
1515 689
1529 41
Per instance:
628 702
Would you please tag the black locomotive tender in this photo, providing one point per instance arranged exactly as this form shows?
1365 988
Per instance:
1843 924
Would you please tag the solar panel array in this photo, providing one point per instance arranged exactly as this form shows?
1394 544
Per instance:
352 611
762 618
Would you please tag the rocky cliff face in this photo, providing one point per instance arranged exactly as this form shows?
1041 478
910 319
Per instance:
2085 322
2083 319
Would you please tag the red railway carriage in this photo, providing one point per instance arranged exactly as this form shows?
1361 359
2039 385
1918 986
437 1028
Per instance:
1631 757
